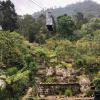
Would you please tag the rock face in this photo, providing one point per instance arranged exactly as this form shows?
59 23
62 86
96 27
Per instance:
49 71
61 74
85 83
2 82
59 79
56 88
64 72
29 94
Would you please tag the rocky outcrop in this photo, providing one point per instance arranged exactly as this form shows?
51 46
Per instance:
29 94
61 78
84 81
2 82
61 72
50 71
56 88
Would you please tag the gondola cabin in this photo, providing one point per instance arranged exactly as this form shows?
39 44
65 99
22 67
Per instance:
49 21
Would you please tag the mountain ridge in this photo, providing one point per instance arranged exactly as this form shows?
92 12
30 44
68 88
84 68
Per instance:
87 7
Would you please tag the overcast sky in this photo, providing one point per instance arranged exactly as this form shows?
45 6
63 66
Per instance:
27 7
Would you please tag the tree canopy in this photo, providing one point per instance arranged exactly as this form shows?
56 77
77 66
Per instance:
8 16
65 26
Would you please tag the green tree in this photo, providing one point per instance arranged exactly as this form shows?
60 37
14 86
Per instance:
91 26
27 27
30 27
80 19
8 15
65 26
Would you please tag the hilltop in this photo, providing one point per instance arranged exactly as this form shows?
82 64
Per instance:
86 7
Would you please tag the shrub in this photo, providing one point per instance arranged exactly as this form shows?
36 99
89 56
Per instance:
3 95
89 93
50 80
97 83
68 93
11 71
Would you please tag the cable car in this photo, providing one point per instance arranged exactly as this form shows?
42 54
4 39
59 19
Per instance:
49 21
49 18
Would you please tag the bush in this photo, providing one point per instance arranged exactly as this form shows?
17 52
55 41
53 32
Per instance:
89 93
68 93
18 83
50 80
16 51
11 71
3 95
97 83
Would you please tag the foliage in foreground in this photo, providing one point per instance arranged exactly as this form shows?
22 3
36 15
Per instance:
19 59
16 64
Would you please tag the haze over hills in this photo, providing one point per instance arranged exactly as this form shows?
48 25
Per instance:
87 7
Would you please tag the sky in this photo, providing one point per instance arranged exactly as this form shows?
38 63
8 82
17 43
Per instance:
27 7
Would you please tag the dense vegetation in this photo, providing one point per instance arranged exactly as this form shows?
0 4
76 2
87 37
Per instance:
76 41
16 63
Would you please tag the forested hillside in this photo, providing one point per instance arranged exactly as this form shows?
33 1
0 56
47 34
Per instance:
31 56
88 7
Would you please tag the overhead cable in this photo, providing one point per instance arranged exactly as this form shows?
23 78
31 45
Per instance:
33 1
